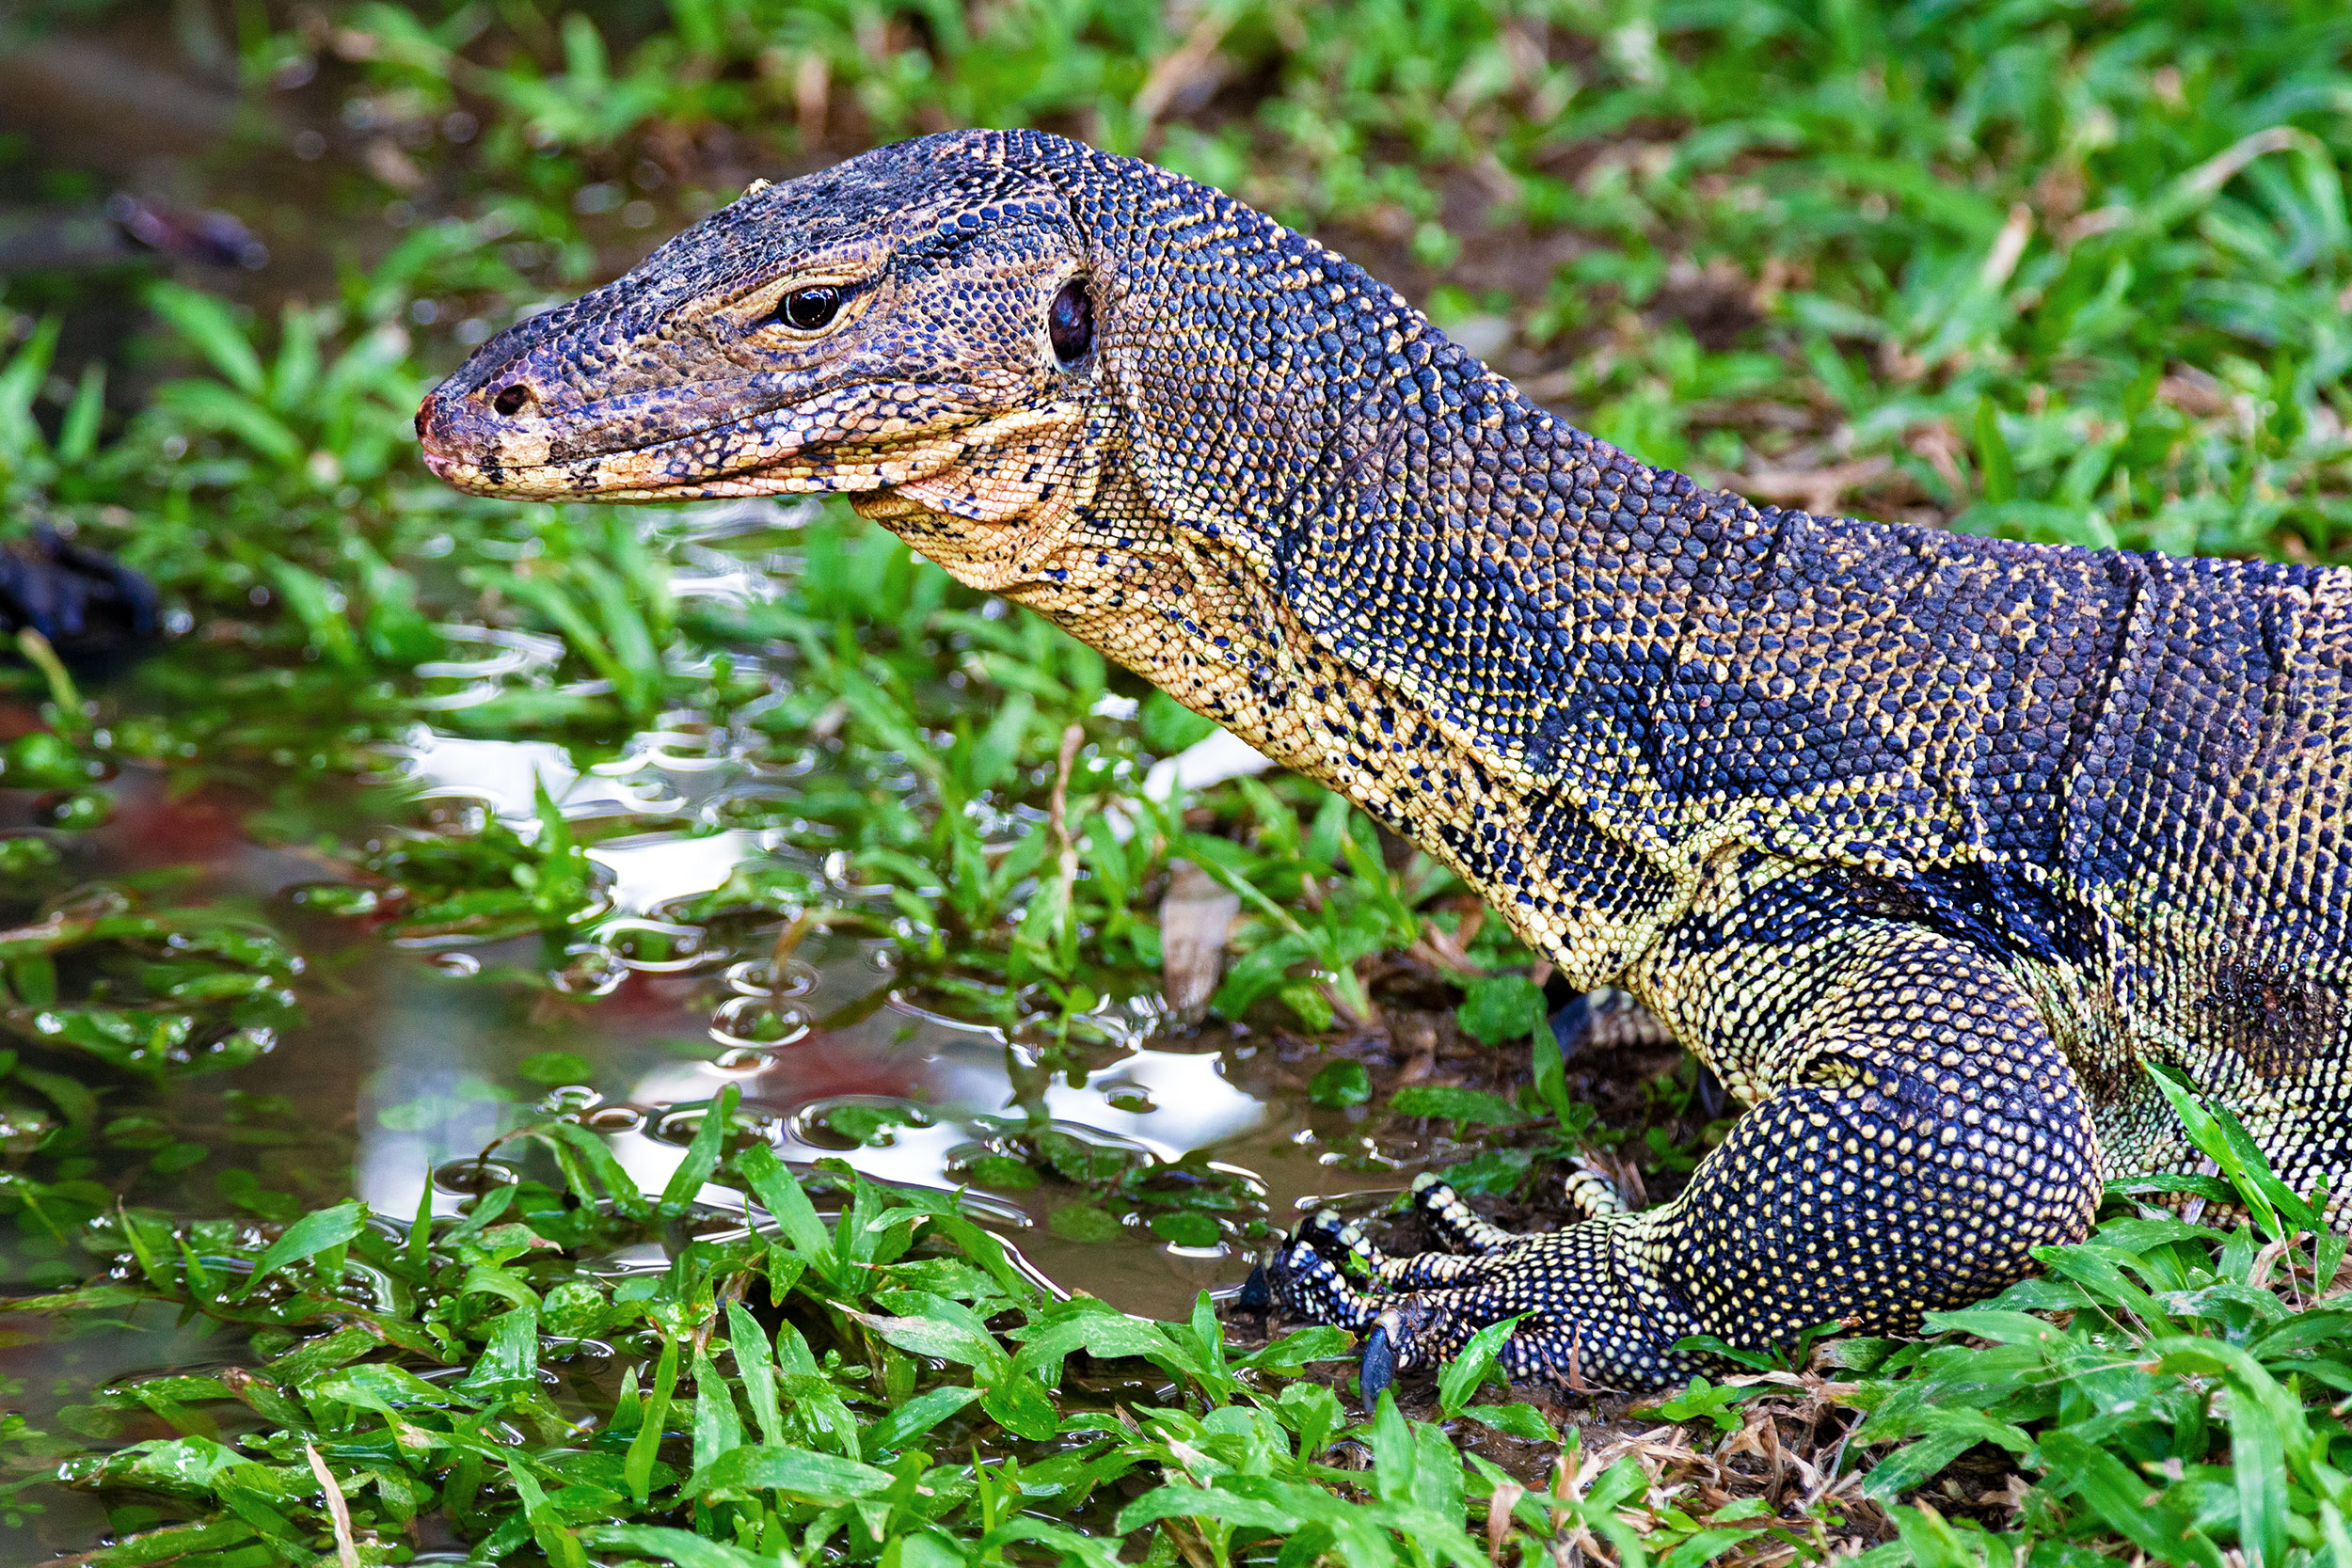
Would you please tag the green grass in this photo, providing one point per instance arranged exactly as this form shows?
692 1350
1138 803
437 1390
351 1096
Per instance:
2058 271
888 1386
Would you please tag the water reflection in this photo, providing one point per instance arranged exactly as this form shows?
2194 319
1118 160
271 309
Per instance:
432 1050
429 1095
672 1030
454 684
507 775
651 871
442 1088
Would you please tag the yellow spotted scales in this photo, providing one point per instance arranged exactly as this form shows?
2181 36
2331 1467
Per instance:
1926 844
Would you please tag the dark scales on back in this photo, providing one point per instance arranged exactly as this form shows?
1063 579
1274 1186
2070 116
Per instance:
1926 845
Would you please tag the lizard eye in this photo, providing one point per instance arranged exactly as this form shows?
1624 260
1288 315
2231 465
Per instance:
1070 323
809 310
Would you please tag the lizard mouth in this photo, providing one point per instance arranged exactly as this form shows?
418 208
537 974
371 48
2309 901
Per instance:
694 444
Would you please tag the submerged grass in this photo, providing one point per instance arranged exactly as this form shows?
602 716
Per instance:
2051 270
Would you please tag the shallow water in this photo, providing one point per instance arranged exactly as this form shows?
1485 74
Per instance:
419 1052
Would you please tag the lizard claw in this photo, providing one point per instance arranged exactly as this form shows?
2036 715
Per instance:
1379 1369
1572 1023
1417 1311
1254 1295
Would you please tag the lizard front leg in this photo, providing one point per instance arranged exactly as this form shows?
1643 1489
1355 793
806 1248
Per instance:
1919 1137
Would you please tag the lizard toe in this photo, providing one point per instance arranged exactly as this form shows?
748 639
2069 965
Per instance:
1255 1295
1378 1368
1306 1284
1451 1223
1343 1244
1593 1191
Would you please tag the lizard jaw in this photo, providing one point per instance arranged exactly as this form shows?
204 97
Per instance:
850 439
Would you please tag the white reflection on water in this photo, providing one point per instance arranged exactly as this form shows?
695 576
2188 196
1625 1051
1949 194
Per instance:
960 1080
653 869
506 775
1196 1107
444 1085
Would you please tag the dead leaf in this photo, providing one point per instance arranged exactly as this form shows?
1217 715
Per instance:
1195 917
1817 490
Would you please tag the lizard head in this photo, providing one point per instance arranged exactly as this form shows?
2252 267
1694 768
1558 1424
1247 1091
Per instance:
916 326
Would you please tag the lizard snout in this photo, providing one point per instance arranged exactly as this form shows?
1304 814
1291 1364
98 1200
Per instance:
476 433
432 433
451 451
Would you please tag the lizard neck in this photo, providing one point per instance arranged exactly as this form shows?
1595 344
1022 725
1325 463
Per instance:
1332 531
1407 511
1469 670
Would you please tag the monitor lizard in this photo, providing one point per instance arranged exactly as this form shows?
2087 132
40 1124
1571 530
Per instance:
1928 844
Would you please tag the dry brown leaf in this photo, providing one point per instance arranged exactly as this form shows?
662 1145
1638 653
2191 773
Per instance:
1195 917
1816 490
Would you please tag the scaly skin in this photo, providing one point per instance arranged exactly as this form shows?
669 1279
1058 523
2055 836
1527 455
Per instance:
1925 844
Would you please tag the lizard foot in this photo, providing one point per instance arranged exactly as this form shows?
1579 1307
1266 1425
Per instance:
1414 1312
1593 1191
1396 1329
1465 1235
1606 1019
1418 1330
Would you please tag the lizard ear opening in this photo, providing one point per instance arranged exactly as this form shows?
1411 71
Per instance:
1070 324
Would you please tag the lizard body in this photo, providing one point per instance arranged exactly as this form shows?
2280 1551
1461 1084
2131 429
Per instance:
1927 843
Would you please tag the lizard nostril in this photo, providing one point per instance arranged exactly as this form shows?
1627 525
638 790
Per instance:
512 399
